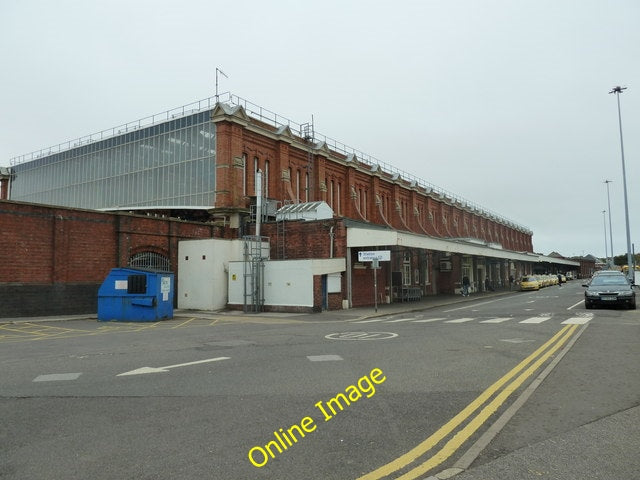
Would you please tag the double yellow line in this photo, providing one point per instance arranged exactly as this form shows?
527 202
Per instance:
522 371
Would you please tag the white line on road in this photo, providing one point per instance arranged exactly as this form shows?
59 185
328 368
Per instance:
460 320
580 302
496 320
474 305
535 320
56 377
426 320
324 358
401 320
576 321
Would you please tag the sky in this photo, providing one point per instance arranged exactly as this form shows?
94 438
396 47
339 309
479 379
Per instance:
504 103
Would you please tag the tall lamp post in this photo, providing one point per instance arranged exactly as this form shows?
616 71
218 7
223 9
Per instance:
610 229
630 273
604 223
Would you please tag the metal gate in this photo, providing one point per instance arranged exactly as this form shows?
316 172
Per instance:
150 261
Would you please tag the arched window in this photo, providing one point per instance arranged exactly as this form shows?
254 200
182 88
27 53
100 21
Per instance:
331 202
244 174
255 174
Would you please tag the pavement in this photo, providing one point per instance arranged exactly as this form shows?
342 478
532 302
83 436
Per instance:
598 450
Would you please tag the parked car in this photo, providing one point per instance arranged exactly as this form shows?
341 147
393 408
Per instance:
609 290
529 282
608 272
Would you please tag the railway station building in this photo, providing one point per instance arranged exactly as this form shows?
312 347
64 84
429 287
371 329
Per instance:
280 216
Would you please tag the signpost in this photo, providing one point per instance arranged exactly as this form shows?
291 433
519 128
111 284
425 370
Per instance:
368 256
375 257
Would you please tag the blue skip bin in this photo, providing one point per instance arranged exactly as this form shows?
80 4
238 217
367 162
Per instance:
132 295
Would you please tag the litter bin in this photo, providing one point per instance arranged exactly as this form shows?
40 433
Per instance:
133 295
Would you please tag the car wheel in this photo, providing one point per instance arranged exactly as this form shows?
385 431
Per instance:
632 306
588 305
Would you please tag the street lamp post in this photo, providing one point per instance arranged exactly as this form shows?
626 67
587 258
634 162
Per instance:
610 229
604 223
630 273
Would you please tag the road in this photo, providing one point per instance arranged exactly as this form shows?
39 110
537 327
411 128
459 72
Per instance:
407 395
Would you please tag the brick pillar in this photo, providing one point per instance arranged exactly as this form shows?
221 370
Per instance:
281 164
229 166
4 188
319 184
60 248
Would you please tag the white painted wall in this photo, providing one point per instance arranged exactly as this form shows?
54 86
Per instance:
286 282
202 267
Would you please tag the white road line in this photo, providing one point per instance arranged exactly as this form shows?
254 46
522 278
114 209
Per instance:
535 320
576 320
579 303
496 320
430 320
324 358
370 321
460 320
400 320
474 305
56 377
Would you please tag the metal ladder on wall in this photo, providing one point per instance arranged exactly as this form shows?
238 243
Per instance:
255 253
281 240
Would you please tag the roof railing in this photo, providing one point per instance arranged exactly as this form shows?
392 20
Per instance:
271 118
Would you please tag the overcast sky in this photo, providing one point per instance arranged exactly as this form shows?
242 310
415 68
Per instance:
504 103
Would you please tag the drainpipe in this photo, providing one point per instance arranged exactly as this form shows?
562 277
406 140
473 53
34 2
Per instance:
258 189
349 302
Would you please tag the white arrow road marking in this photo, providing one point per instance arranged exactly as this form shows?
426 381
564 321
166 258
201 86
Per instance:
142 370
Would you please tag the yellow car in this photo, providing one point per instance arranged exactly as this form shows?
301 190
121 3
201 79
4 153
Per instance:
529 282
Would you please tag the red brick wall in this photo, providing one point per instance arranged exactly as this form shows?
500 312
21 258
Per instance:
448 281
306 239
362 286
51 247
